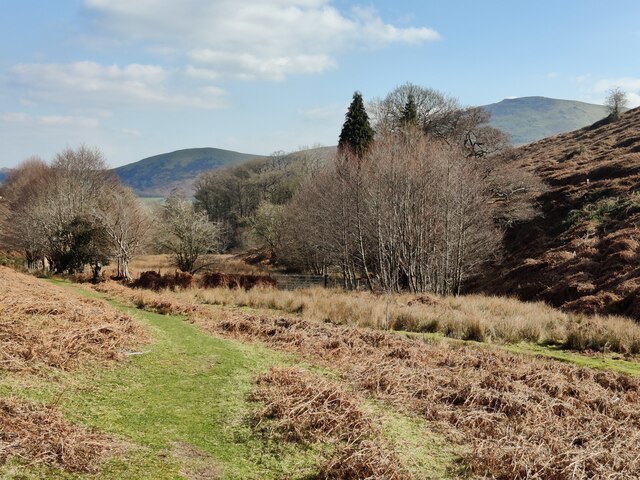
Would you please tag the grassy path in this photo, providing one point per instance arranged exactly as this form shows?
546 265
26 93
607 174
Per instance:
181 405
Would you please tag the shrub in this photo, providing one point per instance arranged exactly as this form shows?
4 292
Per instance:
151 280
228 280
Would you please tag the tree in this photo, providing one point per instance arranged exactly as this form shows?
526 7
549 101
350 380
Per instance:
268 225
356 135
432 108
440 117
616 102
125 225
71 213
187 233
409 115
23 195
232 195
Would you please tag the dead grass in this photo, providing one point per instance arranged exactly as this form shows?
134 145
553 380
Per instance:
36 434
523 417
225 263
308 409
519 416
471 317
43 326
583 247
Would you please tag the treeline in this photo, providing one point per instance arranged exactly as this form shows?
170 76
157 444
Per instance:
236 196
74 213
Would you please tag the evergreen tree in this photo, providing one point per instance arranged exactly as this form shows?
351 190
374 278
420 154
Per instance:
409 115
356 135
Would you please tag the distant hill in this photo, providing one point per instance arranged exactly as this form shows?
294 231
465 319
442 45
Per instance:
3 174
582 251
156 176
528 119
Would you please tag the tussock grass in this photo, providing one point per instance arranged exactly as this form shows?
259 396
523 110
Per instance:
472 317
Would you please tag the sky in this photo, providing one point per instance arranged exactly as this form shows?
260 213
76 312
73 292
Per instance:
137 78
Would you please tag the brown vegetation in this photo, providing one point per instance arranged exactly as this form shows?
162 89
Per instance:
524 418
40 435
582 251
151 280
230 280
308 409
43 326
470 317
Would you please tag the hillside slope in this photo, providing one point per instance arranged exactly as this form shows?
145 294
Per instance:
582 251
528 119
156 176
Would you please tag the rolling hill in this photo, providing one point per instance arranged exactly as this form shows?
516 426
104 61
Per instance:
156 176
528 119
582 251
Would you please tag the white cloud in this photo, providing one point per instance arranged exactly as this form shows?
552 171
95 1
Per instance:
254 38
92 85
630 85
594 89
249 66
19 118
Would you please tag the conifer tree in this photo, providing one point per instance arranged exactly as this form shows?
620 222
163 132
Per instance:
409 114
356 135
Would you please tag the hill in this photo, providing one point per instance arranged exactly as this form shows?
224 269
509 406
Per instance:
3 174
156 176
528 119
582 252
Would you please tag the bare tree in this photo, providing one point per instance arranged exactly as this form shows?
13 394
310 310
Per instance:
71 213
268 225
413 214
23 195
439 117
616 101
187 233
125 224
431 108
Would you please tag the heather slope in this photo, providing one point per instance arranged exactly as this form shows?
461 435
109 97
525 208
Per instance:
581 251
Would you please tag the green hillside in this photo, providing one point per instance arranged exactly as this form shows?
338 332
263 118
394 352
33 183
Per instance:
156 176
528 119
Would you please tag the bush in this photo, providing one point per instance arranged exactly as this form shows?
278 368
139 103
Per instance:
228 280
151 280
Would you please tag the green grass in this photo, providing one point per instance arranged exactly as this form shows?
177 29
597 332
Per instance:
182 410
188 389
608 361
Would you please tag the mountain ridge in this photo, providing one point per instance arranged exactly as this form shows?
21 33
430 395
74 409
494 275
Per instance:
159 174
528 119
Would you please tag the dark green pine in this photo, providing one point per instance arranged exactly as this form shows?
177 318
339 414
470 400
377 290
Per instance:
409 114
356 135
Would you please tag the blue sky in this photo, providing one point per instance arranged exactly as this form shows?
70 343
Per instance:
141 77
